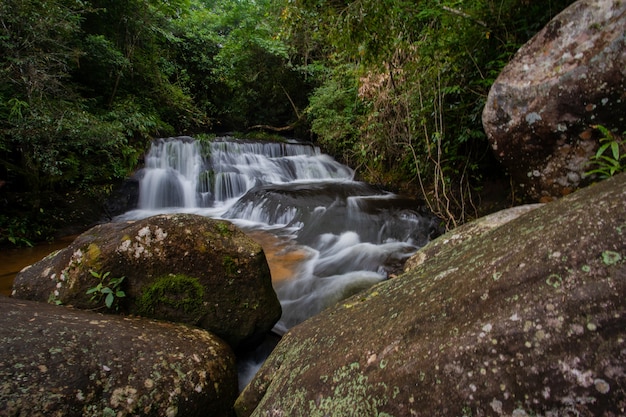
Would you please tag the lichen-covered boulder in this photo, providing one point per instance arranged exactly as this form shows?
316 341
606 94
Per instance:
527 319
540 112
466 232
58 361
178 267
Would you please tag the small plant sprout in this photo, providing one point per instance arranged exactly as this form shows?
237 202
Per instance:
111 291
610 158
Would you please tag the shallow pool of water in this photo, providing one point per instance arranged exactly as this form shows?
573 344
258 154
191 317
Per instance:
13 260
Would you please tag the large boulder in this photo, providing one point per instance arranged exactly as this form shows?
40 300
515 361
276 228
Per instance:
58 361
541 110
527 319
179 267
466 232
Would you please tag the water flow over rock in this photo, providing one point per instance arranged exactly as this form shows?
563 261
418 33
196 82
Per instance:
171 175
348 235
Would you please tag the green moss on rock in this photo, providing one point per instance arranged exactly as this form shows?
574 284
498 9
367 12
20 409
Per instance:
172 297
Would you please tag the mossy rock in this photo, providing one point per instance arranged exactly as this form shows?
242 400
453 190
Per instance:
59 361
237 301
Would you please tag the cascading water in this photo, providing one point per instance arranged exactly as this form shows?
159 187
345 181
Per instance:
171 175
346 235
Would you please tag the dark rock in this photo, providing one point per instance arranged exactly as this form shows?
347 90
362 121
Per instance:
58 361
527 319
541 110
179 267
123 198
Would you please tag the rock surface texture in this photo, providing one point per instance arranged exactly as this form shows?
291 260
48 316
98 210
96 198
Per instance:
179 267
540 110
527 319
466 232
58 361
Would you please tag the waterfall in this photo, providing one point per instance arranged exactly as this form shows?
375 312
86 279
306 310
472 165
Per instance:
184 173
346 235
171 175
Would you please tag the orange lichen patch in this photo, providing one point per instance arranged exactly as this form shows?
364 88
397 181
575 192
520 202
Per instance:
283 256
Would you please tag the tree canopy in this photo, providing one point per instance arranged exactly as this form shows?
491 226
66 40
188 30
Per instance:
394 88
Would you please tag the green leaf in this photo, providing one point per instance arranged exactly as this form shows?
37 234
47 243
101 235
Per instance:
108 301
615 150
606 132
601 150
93 290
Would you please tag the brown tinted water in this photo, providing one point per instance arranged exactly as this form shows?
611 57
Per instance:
283 256
13 260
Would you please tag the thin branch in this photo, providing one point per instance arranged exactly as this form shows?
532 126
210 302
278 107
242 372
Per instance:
463 14
295 109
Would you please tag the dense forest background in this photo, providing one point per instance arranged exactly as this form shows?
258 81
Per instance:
393 88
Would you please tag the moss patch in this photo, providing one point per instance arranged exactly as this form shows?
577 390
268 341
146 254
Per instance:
93 256
172 297
230 265
224 229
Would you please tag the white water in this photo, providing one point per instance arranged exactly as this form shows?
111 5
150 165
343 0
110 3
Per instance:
171 175
349 235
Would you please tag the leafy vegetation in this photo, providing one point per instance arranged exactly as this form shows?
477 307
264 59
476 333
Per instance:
394 88
111 290
610 158
402 85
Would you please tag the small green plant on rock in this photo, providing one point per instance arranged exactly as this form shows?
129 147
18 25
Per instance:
610 158
111 291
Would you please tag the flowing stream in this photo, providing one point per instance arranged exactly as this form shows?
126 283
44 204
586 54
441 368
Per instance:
325 235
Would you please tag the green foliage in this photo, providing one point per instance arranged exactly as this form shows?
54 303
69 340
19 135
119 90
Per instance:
85 86
15 230
403 85
610 158
251 81
23 230
110 290
334 111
